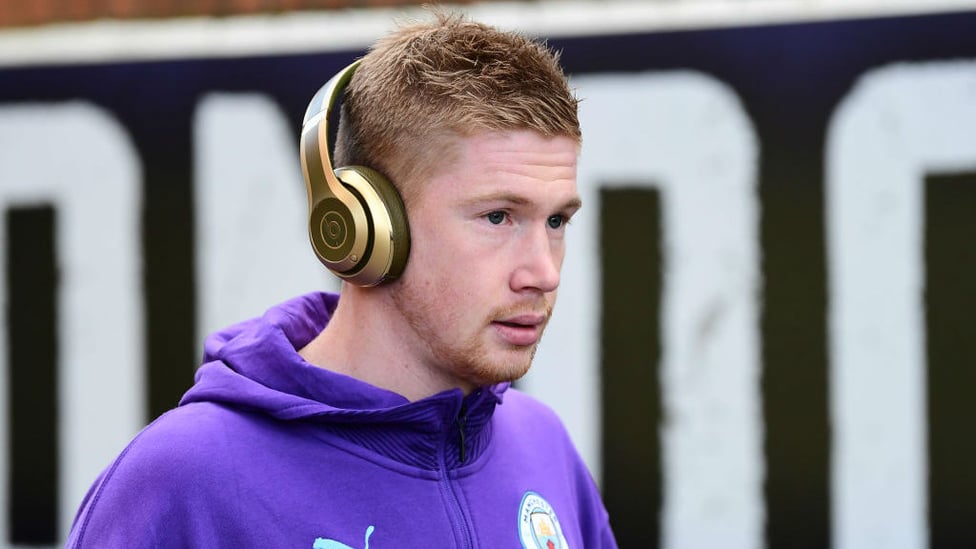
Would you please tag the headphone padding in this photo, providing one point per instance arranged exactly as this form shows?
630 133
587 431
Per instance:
395 212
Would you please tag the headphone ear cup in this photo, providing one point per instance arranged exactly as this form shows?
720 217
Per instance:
389 238
332 233
357 222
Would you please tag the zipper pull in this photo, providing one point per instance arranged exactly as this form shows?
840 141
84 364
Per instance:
460 421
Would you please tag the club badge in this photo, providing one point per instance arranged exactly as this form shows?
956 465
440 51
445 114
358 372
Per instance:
538 526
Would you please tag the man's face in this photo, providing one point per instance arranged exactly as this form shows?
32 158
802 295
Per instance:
487 243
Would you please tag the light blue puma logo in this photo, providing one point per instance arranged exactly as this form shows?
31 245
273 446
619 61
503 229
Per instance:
321 543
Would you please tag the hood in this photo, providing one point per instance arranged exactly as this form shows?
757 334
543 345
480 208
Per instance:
255 366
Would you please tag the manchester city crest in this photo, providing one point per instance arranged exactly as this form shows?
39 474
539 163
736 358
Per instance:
538 526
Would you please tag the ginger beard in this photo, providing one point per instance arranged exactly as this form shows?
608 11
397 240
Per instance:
476 354
487 246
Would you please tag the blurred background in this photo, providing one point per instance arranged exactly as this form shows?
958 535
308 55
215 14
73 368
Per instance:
764 335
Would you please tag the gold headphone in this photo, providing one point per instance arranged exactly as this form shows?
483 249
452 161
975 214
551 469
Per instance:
356 220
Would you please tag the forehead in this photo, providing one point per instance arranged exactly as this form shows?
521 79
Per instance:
523 148
517 161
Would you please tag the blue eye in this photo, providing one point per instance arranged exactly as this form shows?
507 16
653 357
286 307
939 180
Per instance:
496 218
555 221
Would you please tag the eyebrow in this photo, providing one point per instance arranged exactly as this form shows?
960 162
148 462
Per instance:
574 203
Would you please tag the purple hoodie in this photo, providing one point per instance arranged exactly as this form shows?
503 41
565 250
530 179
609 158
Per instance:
266 450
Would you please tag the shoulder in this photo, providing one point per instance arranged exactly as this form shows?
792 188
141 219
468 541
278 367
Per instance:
523 409
516 400
536 442
167 472
189 439
525 423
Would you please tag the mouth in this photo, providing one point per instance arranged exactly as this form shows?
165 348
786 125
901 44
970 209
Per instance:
521 330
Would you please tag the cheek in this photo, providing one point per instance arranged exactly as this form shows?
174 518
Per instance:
457 268
442 276
445 254
558 250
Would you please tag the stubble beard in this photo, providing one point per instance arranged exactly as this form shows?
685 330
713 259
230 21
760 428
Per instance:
470 360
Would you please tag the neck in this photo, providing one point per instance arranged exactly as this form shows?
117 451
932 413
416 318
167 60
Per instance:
369 340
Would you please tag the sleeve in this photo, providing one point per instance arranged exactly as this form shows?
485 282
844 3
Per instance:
157 494
595 519
121 509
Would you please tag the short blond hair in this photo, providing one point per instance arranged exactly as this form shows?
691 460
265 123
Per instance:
426 83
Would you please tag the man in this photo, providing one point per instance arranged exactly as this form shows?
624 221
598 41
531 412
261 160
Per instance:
384 418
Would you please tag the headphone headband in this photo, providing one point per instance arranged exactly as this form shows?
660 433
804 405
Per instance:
357 224
318 158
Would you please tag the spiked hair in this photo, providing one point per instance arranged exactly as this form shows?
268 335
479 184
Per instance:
428 83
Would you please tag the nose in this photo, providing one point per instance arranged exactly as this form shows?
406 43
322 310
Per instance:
538 262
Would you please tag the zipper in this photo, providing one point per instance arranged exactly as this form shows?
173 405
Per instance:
459 514
461 421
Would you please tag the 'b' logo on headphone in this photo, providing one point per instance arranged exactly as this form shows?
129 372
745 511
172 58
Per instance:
333 230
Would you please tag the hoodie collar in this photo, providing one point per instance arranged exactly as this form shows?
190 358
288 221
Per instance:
255 365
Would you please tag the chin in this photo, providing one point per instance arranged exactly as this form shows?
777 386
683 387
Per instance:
508 369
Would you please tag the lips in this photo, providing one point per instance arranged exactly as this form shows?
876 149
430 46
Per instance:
520 330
